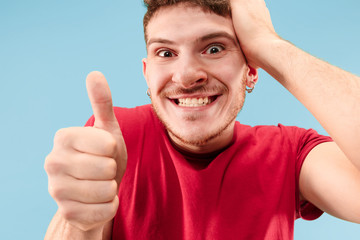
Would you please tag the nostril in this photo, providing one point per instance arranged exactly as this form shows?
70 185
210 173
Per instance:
200 80
189 77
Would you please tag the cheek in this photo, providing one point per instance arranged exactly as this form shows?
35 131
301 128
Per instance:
232 75
158 77
230 68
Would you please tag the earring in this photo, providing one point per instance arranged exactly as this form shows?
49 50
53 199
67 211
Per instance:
249 90
148 92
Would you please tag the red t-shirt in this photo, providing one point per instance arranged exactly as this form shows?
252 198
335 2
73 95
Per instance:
248 191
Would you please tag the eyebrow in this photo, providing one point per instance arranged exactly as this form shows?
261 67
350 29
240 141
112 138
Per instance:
214 35
159 40
206 37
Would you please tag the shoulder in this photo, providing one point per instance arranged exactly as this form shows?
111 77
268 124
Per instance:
263 131
279 135
137 118
131 117
268 131
139 113
138 124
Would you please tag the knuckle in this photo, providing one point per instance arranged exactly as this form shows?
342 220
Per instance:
70 213
61 135
113 207
56 191
110 145
67 213
47 163
64 137
99 216
107 191
52 165
113 189
106 213
115 204
111 168
80 217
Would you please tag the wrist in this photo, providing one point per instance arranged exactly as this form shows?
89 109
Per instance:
60 228
260 51
72 232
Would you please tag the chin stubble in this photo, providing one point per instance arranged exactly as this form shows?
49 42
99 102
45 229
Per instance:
202 140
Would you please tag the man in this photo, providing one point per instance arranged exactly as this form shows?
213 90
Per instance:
197 173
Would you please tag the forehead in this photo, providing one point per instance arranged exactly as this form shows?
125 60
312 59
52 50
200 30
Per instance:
186 22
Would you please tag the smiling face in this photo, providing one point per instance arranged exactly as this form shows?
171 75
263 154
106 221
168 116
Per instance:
196 74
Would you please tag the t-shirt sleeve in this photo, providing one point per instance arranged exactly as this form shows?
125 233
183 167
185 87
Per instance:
307 140
90 122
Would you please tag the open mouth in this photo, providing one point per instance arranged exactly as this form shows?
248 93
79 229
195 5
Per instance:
194 102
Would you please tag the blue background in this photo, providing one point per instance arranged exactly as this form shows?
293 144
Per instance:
48 47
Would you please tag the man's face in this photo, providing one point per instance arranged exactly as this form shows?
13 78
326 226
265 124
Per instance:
197 74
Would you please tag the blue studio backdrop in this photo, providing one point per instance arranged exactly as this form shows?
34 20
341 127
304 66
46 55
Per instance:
48 47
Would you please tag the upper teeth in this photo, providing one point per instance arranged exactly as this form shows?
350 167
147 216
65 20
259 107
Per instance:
194 102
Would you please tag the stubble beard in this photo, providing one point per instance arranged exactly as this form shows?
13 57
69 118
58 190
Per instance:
203 139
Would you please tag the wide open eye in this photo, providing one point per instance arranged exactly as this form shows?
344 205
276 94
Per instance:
165 53
214 49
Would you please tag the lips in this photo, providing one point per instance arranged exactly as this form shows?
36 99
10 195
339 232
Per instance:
194 102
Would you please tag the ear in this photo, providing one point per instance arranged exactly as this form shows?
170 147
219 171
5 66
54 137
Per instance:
144 70
251 77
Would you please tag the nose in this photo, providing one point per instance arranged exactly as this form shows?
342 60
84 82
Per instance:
189 72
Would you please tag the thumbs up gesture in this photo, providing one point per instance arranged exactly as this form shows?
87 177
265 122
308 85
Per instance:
101 103
86 165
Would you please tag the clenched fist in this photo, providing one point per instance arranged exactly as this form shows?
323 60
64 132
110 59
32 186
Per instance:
86 164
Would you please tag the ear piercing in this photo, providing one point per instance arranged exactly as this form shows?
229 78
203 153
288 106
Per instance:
249 90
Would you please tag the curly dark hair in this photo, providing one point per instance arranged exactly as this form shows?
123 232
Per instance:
219 7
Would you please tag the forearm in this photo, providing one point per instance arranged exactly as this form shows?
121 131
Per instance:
331 94
60 229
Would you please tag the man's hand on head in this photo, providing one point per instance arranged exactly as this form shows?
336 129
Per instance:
253 27
86 165
331 94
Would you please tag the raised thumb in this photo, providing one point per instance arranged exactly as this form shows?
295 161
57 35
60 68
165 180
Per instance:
101 102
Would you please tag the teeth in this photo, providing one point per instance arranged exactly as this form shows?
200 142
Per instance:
194 102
